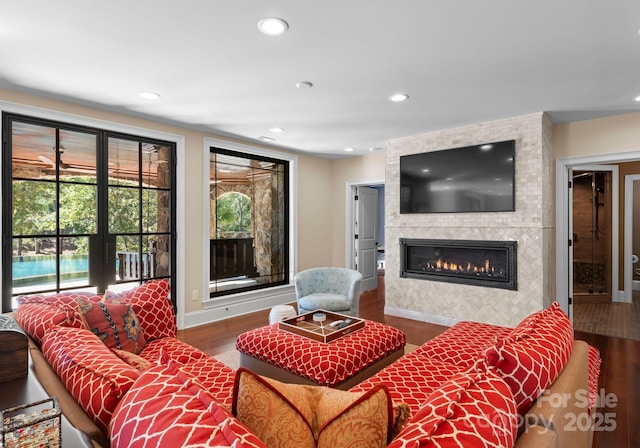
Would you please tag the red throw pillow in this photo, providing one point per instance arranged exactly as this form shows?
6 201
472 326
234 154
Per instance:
114 323
474 408
95 377
533 355
152 305
37 314
167 408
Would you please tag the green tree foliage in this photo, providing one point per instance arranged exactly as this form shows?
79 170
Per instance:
34 208
233 213
34 211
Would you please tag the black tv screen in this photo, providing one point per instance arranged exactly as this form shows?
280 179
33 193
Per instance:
477 178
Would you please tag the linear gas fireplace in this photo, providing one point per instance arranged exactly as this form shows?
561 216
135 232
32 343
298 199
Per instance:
470 262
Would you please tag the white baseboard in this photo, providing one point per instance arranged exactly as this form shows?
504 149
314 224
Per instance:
420 316
619 297
230 306
635 285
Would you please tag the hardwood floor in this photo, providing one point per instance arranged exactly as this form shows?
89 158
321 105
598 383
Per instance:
620 370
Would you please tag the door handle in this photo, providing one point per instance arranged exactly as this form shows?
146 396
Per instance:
106 253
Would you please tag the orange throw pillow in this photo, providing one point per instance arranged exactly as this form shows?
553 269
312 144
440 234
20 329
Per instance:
286 415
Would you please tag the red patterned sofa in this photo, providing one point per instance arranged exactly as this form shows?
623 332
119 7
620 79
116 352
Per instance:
460 381
90 378
474 385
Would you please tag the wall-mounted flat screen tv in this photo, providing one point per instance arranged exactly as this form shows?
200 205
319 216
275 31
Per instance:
479 178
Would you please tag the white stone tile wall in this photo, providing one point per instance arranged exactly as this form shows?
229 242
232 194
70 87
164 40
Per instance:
530 225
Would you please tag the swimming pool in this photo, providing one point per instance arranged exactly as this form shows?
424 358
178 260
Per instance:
38 269
32 266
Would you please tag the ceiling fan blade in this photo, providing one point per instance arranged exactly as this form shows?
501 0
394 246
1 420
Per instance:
46 159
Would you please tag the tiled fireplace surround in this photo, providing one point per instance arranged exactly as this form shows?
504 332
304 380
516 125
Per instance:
530 225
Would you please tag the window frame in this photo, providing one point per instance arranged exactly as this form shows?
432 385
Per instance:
246 296
38 113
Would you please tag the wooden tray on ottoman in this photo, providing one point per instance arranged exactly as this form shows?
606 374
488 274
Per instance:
304 325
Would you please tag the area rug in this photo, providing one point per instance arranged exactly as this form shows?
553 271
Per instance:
232 357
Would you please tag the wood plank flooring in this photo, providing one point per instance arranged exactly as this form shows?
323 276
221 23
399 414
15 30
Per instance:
620 371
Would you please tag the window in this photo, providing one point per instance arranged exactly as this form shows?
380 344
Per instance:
84 208
248 225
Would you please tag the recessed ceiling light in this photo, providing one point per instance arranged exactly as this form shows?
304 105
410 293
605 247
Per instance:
304 85
349 149
399 97
375 149
486 147
426 170
637 98
149 95
276 130
272 26
266 139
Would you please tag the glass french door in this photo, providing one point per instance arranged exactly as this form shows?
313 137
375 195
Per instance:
83 209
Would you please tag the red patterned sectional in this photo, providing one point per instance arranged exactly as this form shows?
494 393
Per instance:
526 361
474 385
185 393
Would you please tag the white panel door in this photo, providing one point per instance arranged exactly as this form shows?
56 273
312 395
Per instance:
366 231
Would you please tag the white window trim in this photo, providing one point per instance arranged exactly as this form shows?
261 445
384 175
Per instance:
179 140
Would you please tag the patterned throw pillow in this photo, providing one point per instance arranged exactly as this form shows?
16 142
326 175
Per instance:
135 361
533 355
167 408
36 314
114 323
152 305
95 377
286 415
474 408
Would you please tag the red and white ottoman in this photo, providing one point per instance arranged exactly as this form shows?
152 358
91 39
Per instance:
341 363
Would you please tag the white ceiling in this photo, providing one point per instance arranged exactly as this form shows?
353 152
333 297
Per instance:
461 62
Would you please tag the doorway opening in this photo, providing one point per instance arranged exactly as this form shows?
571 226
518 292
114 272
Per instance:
365 230
591 235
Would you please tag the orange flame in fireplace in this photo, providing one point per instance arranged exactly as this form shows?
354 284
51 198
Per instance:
451 266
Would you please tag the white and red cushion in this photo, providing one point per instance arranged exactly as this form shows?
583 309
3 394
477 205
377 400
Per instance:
96 377
211 374
167 408
152 305
160 350
411 379
472 409
327 364
594 373
463 343
533 355
38 313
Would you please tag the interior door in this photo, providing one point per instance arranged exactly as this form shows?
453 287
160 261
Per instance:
366 231
571 238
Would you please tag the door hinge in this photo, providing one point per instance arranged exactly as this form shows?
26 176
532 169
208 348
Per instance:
570 300
570 184
570 243
356 198
355 237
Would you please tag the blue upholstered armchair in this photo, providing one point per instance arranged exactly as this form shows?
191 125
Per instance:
331 289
